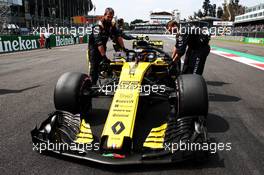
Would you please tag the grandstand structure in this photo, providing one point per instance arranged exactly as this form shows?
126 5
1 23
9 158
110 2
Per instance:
163 17
157 22
33 13
250 24
5 13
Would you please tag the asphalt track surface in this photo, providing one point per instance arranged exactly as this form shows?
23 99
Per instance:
27 80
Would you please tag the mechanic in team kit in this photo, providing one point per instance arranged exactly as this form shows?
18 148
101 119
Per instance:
97 43
197 52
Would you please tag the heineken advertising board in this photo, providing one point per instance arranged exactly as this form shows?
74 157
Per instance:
254 40
23 43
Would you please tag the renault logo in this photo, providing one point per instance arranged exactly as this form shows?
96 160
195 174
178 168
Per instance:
118 127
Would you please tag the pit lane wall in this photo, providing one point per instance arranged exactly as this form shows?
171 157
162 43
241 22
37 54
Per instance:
241 38
23 43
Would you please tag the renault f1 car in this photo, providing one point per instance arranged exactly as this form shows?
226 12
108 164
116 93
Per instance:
142 38
128 135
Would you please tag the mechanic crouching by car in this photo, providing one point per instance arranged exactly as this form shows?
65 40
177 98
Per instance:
97 43
198 48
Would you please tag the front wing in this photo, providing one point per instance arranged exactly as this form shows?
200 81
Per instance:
60 135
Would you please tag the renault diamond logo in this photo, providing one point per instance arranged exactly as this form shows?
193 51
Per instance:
118 127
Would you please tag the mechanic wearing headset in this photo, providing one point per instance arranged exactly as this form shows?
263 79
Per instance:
97 43
197 52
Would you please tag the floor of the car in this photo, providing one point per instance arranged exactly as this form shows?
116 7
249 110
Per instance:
150 115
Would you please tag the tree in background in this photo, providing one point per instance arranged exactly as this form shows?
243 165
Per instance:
195 15
227 12
232 9
214 10
206 7
236 2
126 26
220 12
237 8
200 13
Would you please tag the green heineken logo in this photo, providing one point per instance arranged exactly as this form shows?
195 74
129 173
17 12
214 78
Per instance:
17 44
63 41
22 43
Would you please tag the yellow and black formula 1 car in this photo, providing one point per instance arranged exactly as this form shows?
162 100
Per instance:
153 112
154 43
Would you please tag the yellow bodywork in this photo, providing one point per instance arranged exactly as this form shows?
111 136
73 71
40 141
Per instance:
156 43
121 118
155 139
122 114
85 135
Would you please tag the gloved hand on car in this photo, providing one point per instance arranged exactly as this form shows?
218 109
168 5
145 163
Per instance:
124 49
174 69
104 66
105 60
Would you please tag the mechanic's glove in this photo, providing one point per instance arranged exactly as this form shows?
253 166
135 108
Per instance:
123 49
174 69
105 60
105 67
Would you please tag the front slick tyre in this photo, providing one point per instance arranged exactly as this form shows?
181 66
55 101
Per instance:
193 95
187 132
71 93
